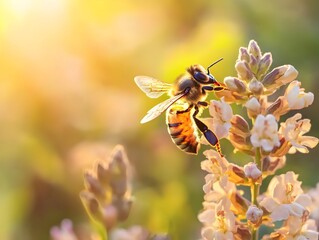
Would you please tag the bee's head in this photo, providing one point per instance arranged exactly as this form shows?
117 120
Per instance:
201 75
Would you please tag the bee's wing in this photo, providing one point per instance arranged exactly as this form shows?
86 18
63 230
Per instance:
151 86
160 108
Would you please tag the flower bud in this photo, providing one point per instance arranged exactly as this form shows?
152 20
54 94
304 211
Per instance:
242 232
110 216
272 164
243 54
253 64
107 195
256 87
279 76
243 70
235 85
240 125
239 134
253 107
251 171
277 108
93 185
103 174
236 174
91 204
239 203
282 149
254 215
241 143
123 207
254 49
264 64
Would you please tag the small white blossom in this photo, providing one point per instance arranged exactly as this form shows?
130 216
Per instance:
297 228
285 197
293 130
296 96
265 133
219 222
216 166
221 114
219 189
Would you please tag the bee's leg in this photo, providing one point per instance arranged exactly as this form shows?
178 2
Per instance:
207 88
215 88
203 103
219 88
209 135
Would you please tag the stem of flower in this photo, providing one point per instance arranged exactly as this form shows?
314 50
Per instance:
255 190
101 230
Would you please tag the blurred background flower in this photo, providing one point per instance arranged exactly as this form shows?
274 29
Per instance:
67 96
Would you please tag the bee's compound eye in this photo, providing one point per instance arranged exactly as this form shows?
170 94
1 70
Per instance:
200 77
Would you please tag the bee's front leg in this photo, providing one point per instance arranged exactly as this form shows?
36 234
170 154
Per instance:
203 103
215 88
209 135
207 88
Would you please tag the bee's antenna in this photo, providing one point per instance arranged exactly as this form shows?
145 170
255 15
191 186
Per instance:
213 64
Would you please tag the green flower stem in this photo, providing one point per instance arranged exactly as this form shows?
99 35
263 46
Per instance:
254 233
100 229
255 191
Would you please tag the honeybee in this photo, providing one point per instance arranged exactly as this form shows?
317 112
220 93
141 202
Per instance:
187 99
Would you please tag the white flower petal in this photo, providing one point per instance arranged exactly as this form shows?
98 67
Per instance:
265 132
269 203
304 200
207 233
296 209
281 212
207 216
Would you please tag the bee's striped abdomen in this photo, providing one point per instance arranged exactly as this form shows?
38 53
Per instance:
182 130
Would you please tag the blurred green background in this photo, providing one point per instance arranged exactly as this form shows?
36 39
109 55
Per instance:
67 96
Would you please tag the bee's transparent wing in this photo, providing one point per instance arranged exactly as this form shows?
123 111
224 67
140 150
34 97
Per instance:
151 86
160 108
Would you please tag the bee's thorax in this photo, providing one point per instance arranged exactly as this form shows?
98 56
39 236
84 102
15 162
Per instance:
195 93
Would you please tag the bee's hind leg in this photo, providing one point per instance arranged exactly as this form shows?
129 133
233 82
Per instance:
209 135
